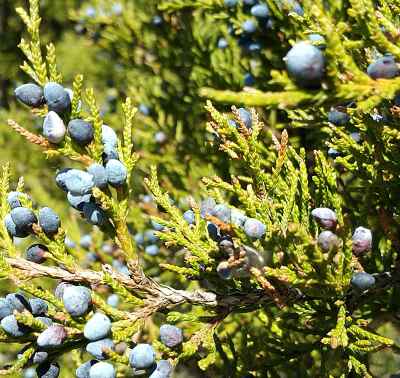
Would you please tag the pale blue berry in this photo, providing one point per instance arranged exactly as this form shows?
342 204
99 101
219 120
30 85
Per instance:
79 182
152 250
170 335
108 136
362 240
49 221
328 241
78 201
142 356
362 281
306 64
12 229
97 327
23 218
40 357
96 348
53 128
30 95
38 306
222 212
36 253
48 370
246 117
325 217
163 370
57 98
99 175
11 326
113 300
189 216
383 68
116 172
260 11
6 308
14 199
83 370
102 370
254 228
86 241
77 300
80 131
52 337
249 26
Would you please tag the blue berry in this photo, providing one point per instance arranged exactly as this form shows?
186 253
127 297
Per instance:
254 228
362 240
260 11
338 118
109 153
77 300
306 64
254 47
325 217
157 20
152 250
108 136
30 95
246 117
207 206
293 5
222 43
356 137
113 300
383 68
60 288
49 221
48 370
38 306
99 175
116 172
30 373
120 267
61 179
96 348
150 236
69 243
11 326
40 357
18 301
163 370
6 308
80 131
83 370
102 370
249 26
170 335
144 109
142 356
328 241
45 320
249 80
213 231
79 182
77 202
139 238
157 226
94 214
52 337
23 218
97 327
53 128
362 281
13 199
160 137
12 229
57 98
189 216
222 212
333 153
230 3
238 218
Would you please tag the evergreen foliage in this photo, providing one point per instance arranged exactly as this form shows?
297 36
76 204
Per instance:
260 240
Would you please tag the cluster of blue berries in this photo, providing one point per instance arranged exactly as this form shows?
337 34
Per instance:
328 241
20 220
